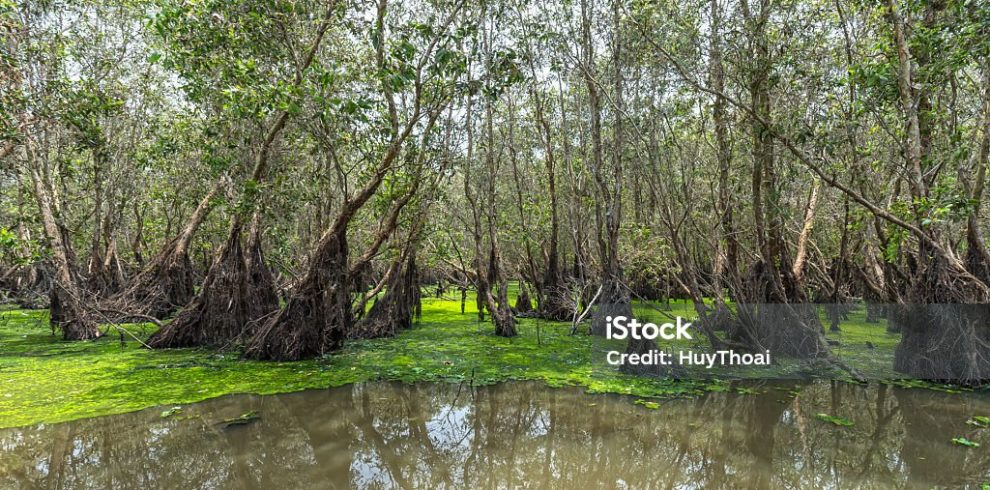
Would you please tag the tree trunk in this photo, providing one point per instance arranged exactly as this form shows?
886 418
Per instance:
167 282
977 256
727 246
67 311
802 244
97 274
498 304
396 309
524 305
317 315
773 309
554 302
614 299
222 313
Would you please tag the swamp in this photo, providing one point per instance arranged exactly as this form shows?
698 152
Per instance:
494 244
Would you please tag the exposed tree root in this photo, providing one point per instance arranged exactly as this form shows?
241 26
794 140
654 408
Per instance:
29 286
222 312
505 323
167 282
317 314
945 330
105 274
557 305
163 286
69 316
613 302
976 263
787 326
396 309
261 284
644 346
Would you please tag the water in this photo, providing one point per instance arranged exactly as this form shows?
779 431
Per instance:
517 435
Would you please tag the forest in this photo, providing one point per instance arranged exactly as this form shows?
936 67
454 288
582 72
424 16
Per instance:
277 180
293 243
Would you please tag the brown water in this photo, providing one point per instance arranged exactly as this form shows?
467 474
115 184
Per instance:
518 435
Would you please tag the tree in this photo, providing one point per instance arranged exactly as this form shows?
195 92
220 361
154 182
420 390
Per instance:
224 310
317 314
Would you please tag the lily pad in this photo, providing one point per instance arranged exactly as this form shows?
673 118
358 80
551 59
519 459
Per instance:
962 441
832 419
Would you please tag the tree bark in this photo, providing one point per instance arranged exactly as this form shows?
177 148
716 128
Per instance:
774 313
727 247
802 244
318 313
498 304
615 299
67 309
552 295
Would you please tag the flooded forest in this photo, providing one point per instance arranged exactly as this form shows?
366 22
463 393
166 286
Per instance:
401 199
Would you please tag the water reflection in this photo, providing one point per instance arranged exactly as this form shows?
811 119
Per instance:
513 436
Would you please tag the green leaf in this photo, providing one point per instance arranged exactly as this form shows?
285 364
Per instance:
979 421
962 441
170 412
832 419
647 404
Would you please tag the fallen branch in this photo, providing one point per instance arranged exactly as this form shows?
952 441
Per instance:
123 315
587 309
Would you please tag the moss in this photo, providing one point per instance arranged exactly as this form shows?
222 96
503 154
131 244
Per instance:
44 379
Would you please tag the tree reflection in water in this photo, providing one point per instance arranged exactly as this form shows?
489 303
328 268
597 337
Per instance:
515 435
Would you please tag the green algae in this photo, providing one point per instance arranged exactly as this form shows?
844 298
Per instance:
647 404
45 379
